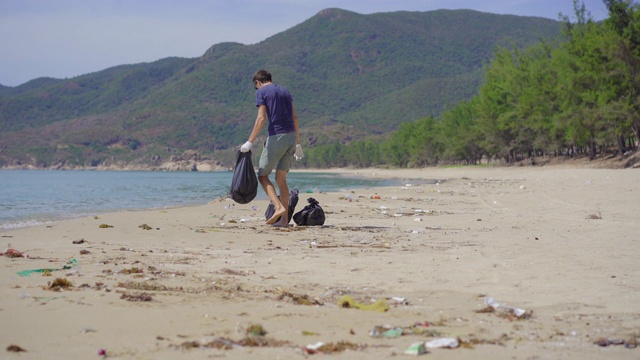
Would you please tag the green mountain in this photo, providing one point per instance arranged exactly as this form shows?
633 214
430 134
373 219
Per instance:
351 75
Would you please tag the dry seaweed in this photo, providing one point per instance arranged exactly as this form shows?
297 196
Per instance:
133 270
144 227
227 344
256 330
137 297
15 348
227 271
339 346
105 226
469 343
297 298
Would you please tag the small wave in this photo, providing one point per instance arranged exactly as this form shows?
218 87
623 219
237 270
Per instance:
23 224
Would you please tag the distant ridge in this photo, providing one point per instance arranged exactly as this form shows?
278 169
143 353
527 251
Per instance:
352 76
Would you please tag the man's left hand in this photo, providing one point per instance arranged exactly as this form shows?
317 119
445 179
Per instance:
299 154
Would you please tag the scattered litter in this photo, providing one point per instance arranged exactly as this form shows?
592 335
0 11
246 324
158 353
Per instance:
386 332
450 343
348 302
144 227
105 226
78 242
417 219
70 264
418 328
416 349
506 311
13 253
629 344
85 252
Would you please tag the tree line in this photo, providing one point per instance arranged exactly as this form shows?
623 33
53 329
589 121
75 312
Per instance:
576 95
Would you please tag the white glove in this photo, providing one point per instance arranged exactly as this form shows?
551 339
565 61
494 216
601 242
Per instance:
246 147
299 154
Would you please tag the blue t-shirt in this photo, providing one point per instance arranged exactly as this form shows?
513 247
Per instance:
279 103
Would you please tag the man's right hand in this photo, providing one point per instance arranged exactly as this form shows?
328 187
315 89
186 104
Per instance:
246 147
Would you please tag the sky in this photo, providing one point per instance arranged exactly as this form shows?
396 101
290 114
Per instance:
67 38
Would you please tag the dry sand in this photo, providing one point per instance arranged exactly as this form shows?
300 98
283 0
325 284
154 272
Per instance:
560 243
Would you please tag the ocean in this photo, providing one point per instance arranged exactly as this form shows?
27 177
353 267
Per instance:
33 197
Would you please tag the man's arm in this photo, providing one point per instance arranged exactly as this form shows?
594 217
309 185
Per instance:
259 124
295 124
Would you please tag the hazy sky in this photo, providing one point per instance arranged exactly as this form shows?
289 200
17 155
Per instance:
67 38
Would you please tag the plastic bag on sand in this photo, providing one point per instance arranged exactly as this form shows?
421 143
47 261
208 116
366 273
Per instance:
311 215
244 186
293 201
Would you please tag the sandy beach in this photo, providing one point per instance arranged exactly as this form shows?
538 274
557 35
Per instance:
555 247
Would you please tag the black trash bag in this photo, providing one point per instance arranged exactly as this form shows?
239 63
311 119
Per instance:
293 201
311 215
244 186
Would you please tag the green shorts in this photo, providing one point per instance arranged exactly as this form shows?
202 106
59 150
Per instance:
277 153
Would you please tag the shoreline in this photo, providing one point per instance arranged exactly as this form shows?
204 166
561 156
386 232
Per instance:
557 242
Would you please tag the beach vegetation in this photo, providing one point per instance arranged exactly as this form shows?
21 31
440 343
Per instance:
575 95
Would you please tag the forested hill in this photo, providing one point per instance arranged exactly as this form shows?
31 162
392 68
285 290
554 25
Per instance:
352 75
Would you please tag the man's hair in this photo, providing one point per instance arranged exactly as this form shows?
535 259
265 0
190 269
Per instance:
263 76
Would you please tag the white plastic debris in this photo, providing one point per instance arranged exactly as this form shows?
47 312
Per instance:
450 343
518 312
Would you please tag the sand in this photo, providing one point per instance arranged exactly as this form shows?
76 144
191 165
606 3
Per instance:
559 243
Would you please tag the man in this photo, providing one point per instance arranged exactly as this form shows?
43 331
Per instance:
275 103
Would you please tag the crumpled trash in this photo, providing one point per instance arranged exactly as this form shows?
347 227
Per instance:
313 348
386 331
13 253
450 343
416 349
518 312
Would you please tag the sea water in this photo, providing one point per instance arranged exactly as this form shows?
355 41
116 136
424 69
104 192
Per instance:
32 197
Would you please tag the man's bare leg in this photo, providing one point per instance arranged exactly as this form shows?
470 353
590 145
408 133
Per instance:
281 180
270 190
